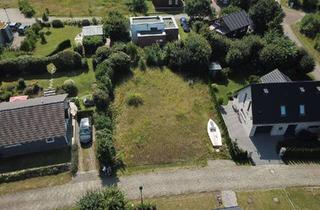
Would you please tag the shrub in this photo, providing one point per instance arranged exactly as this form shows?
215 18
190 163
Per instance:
220 101
305 62
101 99
120 63
142 64
91 43
61 46
85 22
104 69
138 6
198 8
74 159
43 38
70 87
92 200
317 43
102 53
21 84
116 26
106 153
253 79
45 17
145 206
134 99
26 8
102 121
154 55
57 24
66 60
310 25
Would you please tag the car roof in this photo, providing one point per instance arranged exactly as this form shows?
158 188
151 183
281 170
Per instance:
84 122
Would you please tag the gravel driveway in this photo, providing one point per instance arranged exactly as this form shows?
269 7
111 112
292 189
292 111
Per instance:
218 175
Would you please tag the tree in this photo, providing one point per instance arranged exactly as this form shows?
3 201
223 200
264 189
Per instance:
243 4
199 8
101 98
317 43
230 9
70 87
310 25
91 43
120 63
154 55
219 45
139 6
234 57
45 17
266 15
115 26
310 4
306 63
105 150
21 84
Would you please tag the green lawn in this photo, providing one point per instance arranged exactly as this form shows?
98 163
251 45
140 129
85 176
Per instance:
307 42
35 160
288 199
77 8
83 79
33 183
170 126
200 201
56 37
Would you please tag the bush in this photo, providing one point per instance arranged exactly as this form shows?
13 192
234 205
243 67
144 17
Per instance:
92 200
102 53
70 87
85 22
21 84
116 26
145 206
26 8
61 46
74 159
91 43
34 172
310 25
154 55
102 121
199 8
120 63
139 6
106 153
101 99
317 43
67 60
43 38
45 17
142 64
57 24
135 99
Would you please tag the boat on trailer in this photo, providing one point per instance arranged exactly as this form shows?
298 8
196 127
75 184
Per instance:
214 133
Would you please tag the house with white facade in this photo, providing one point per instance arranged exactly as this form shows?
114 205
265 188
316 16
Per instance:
148 30
278 106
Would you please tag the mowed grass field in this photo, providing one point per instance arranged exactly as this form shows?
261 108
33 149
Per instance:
75 8
171 125
54 38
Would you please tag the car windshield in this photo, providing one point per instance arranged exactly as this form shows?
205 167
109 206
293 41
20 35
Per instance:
84 131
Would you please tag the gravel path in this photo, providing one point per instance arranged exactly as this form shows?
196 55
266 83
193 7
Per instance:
218 175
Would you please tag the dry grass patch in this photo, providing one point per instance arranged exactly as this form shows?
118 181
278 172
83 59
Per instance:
170 126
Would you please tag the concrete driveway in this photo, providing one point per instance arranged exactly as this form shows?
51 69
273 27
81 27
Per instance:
14 15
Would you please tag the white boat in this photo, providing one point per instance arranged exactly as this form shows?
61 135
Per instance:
214 134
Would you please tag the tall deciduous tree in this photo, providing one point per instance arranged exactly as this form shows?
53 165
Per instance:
116 26
199 8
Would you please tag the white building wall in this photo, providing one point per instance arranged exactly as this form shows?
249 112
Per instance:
136 28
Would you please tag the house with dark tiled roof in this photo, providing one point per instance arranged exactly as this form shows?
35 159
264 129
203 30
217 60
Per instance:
279 106
168 4
233 25
34 125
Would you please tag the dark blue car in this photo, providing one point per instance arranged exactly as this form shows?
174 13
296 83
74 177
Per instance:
184 24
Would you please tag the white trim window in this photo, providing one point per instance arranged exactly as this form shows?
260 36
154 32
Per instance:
177 2
49 140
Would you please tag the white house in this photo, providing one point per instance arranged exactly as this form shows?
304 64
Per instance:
279 106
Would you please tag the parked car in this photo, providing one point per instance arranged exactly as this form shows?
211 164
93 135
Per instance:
184 24
22 29
85 135
14 26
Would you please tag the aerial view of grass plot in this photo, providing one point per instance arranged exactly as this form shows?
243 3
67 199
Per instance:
168 125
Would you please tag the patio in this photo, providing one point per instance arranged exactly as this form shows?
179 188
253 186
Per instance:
262 147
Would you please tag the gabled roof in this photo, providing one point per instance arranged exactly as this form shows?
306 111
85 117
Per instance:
236 20
274 77
32 120
267 98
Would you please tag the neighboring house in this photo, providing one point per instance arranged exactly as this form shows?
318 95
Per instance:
34 125
148 30
233 25
95 30
6 35
168 4
279 106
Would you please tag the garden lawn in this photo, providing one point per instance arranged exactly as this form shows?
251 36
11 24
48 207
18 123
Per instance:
68 8
83 79
33 183
171 125
307 42
55 38
200 201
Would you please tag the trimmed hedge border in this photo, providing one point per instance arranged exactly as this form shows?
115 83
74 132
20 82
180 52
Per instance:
292 153
74 159
61 46
85 113
236 153
34 172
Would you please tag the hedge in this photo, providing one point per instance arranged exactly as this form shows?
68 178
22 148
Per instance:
74 159
236 153
91 44
64 61
302 154
34 172
26 8
61 46
84 113
57 24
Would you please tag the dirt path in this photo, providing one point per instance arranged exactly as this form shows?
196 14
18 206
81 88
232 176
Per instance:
218 175
292 17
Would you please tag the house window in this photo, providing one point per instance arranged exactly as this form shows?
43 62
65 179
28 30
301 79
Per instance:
177 2
170 2
249 106
153 28
283 110
50 140
302 110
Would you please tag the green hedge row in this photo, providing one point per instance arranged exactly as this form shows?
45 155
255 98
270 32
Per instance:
26 8
61 46
236 153
302 154
74 159
29 65
34 172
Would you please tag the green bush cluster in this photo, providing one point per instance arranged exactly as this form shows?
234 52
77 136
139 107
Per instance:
61 46
91 43
154 55
70 87
74 159
134 99
317 43
145 206
57 24
34 172
310 25
32 35
108 198
26 8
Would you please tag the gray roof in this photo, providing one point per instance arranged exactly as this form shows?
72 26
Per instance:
236 20
275 76
32 120
92 30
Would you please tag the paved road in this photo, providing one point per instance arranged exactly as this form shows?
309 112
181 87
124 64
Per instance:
218 175
292 17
